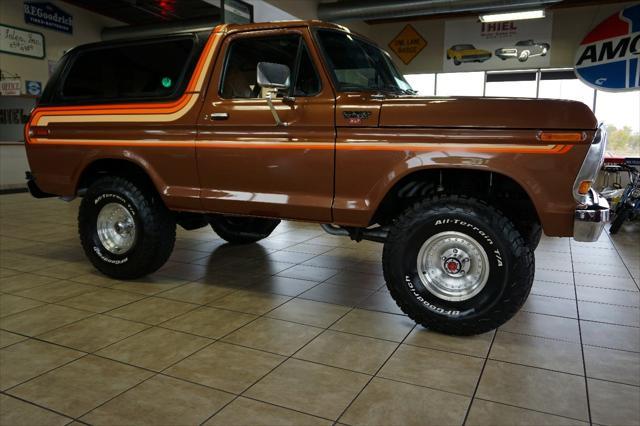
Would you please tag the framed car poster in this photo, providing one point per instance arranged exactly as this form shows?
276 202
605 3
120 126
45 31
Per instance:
470 45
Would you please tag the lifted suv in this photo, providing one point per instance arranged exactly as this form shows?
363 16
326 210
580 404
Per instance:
307 121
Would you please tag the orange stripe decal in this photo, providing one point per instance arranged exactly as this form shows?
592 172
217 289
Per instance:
509 149
142 112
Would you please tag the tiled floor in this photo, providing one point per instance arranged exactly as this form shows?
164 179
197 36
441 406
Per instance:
298 330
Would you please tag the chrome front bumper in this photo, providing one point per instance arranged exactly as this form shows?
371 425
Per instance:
590 218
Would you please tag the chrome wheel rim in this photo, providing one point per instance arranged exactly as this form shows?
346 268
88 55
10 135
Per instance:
116 228
453 266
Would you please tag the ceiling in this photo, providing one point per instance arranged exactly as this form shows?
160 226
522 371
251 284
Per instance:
381 11
141 12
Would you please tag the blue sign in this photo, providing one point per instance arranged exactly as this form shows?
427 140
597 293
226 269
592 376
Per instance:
609 56
33 87
48 15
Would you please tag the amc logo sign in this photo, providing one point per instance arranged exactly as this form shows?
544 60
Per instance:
609 56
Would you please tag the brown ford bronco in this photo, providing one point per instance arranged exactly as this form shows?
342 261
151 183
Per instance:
307 121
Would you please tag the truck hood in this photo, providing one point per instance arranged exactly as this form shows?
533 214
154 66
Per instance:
471 112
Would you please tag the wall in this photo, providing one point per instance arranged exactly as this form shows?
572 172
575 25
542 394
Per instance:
266 12
570 25
301 9
86 29
274 10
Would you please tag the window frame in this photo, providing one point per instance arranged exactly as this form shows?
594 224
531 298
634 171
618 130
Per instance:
302 44
56 96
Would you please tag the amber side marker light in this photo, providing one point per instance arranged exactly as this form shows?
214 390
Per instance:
584 187
561 136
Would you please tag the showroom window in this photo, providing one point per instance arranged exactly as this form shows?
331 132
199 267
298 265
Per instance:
522 84
128 71
424 84
621 113
563 84
460 84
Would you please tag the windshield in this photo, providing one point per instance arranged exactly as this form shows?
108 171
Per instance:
360 66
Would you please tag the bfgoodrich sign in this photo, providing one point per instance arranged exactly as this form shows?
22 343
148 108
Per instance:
609 56
49 16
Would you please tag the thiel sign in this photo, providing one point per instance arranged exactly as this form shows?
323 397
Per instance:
609 56
48 15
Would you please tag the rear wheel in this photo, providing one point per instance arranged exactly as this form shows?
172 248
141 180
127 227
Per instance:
456 61
456 265
125 230
242 230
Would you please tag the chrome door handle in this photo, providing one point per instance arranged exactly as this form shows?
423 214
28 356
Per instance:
219 116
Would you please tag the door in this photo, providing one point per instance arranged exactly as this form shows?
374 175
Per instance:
247 163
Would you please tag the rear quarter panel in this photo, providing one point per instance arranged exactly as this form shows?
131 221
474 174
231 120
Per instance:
157 136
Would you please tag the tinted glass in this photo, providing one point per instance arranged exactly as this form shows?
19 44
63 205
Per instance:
358 65
307 81
239 79
131 71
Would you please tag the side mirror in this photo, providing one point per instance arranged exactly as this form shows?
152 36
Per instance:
273 76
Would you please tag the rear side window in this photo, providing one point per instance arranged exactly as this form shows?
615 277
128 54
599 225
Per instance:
132 71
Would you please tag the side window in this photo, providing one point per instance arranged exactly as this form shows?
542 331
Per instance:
243 55
128 71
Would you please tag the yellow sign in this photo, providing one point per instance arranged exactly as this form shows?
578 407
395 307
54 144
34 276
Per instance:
407 44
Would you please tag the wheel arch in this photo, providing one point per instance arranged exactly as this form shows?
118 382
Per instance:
495 186
132 168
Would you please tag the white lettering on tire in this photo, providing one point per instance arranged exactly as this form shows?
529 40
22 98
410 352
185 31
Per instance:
106 259
426 303
117 197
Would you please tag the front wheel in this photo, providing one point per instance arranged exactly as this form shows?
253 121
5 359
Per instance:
242 230
456 265
125 230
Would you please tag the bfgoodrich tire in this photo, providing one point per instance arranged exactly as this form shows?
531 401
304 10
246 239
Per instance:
457 266
242 230
532 233
125 231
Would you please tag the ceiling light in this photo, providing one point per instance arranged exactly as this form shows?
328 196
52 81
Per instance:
513 16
